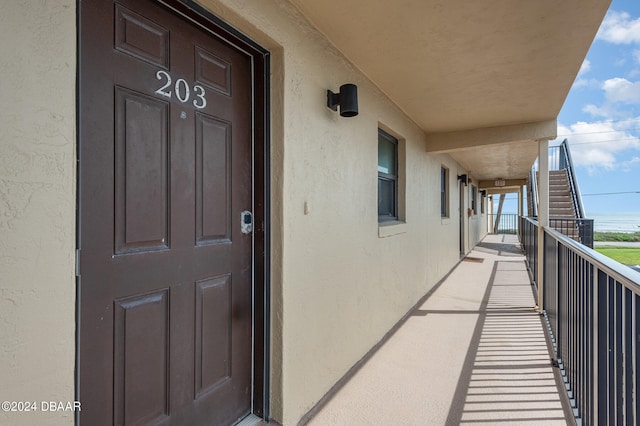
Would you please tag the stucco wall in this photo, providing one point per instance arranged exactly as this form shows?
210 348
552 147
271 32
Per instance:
337 286
342 286
478 221
37 206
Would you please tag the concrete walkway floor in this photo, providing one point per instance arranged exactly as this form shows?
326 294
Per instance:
473 353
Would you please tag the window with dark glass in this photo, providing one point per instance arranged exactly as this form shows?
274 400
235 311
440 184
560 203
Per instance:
474 207
444 192
387 177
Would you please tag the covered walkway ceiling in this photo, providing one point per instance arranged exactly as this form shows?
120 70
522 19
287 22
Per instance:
484 79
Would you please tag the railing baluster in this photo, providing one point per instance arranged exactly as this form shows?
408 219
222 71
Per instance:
561 310
582 353
591 345
603 340
619 355
577 277
569 332
611 370
628 362
592 306
636 360
594 342
572 228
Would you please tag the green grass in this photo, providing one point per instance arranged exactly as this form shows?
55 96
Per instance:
616 236
624 255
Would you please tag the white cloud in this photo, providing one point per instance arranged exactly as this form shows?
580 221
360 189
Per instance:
620 62
636 55
621 98
597 146
619 28
628 165
597 111
585 67
590 83
622 90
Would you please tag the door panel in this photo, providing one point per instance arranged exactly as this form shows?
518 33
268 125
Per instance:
141 358
141 175
213 333
213 180
165 171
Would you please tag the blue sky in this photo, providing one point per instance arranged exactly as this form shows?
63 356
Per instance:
601 115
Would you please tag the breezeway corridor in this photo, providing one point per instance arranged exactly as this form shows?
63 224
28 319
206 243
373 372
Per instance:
473 353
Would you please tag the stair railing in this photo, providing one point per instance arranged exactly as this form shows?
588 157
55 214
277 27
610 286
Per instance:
560 159
567 162
533 191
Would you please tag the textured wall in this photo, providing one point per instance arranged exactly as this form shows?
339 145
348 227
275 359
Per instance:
342 286
338 287
37 206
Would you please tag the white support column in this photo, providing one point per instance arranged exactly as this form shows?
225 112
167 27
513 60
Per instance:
520 202
490 215
543 212
520 209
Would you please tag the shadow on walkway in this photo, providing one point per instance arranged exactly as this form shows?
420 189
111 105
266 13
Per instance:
501 245
506 377
474 352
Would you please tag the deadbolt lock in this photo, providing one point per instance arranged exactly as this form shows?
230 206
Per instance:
246 222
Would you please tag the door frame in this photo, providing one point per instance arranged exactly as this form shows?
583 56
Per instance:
261 194
461 203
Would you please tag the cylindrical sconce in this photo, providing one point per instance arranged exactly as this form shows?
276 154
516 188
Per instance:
347 98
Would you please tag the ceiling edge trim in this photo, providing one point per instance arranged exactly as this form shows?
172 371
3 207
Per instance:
460 140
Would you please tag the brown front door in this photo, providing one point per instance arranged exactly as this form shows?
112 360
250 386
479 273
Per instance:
165 287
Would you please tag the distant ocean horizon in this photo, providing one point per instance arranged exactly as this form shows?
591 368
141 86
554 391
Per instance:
615 222
611 222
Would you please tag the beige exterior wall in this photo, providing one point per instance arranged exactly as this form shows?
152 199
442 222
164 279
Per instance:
37 206
478 224
475 226
343 286
339 281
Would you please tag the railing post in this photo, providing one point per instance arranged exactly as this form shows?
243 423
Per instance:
543 213
596 354
490 215
521 201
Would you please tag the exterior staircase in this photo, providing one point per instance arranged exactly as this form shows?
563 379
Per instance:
561 204
560 200
566 213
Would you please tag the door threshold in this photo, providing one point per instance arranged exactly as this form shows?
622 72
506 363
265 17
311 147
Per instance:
250 420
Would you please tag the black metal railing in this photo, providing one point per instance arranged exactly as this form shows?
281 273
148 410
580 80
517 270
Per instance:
529 241
592 309
557 159
580 230
560 159
532 188
504 223
560 156
573 180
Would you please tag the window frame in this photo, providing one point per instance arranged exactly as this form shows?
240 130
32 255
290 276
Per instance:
389 177
444 192
474 199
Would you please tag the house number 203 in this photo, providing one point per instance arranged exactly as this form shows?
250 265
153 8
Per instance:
181 89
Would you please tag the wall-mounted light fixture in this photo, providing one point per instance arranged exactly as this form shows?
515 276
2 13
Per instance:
483 192
463 179
347 98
